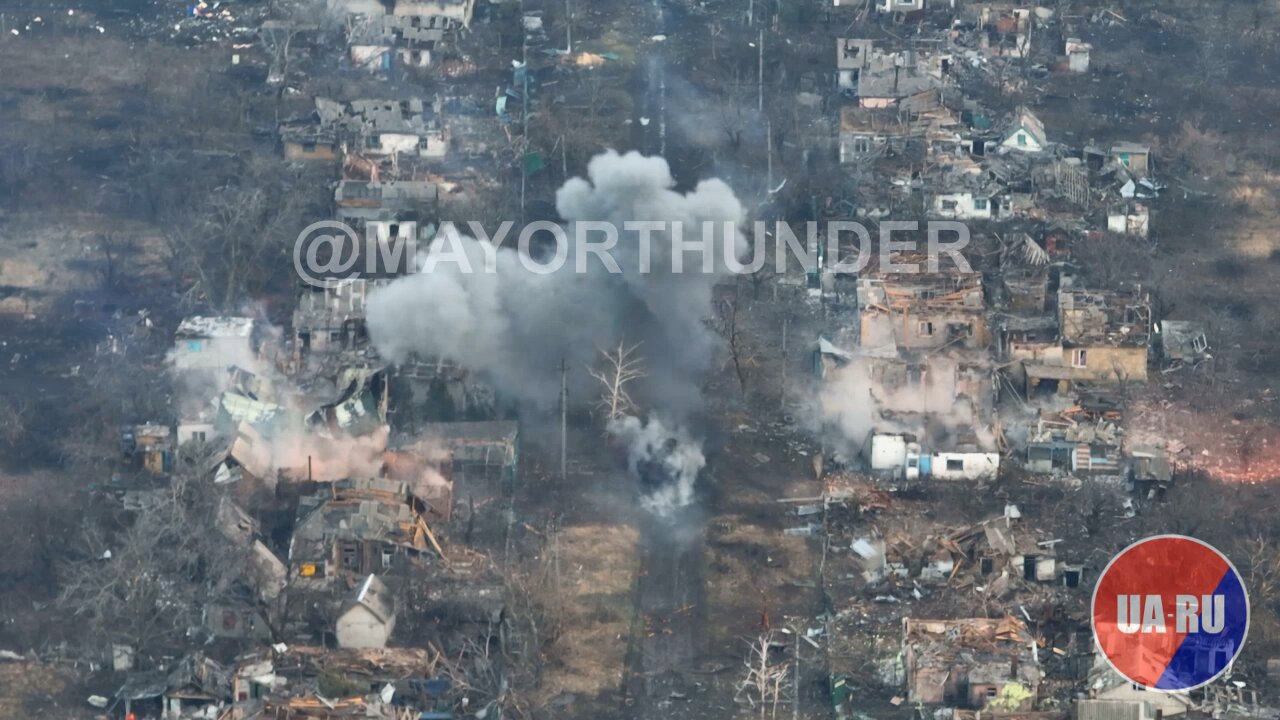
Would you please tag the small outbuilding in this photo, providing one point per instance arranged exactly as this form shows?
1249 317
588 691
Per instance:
368 620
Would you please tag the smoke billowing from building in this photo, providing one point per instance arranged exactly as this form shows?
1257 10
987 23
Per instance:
515 326
935 400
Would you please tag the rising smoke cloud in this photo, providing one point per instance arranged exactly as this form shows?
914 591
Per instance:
665 460
515 327
854 402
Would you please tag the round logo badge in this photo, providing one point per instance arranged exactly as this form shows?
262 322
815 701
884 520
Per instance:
1170 613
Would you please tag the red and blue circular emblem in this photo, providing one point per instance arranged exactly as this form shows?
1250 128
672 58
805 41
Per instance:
1170 613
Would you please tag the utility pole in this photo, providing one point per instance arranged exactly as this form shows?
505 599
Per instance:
795 682
568 13
524 168
564 419
760 75
769 144
555 548
782 402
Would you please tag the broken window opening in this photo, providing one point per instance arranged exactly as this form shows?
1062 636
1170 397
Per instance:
350 558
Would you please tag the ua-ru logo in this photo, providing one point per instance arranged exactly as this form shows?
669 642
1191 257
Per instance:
1170 613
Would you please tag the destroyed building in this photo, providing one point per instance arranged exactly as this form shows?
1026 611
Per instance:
214 343
923 310
971 663
330 318
380 43
1103 340
385 128
354 528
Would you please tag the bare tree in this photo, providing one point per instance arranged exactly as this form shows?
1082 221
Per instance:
146 585
764 683
15 416
114 249
620 367
239 239
726 324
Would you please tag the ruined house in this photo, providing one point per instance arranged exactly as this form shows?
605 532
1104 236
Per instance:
360 409
304 139
265 574
1133 157
1103 338
353 528
971 663
853 55
899 6
214 343
485 454
459 11
330 318
385 128
1181 341
1106 685
866 133
392 202
379 43
150 445
1004 30
242 455
1077 53
1129 217
1001 553
1085 438
197 687
924 310
898 85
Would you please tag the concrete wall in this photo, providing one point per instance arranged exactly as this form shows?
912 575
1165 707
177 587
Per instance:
1106 364
923 331
458 10
963 466
360 628
965 208
294 150
393 144
888 452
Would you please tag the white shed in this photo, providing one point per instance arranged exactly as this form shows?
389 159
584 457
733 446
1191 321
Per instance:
368 620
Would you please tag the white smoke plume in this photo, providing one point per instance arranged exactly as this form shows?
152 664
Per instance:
515 326
666 461
936 409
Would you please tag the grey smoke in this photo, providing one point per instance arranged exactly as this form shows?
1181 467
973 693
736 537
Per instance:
854 403
514 326
665 460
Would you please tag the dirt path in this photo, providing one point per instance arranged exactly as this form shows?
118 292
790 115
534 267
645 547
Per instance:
670 607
